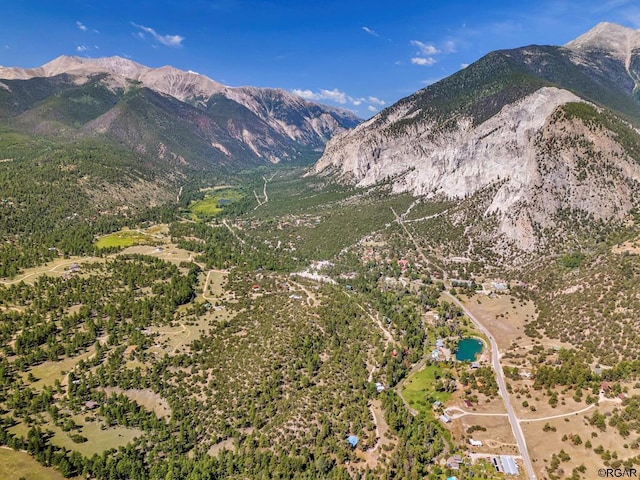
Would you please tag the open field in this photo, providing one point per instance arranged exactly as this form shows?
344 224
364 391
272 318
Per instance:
504 316
98 440
420 387
56 268
497 438
177 338
145 398
384 440
124 238
212 203
168 252
213 284
543 445
48 372
540 401
14 465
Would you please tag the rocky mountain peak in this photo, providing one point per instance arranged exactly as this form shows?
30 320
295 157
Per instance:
79 65
610 37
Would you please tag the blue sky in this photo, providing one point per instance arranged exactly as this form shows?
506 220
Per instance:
361 55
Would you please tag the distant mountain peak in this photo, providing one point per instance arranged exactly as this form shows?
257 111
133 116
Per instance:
70 64
611 37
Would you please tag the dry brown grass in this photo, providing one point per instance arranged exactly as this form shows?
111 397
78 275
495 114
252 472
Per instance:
56 268
566 404
384 439
48 372
498 437
98 440
228 444
542 445
14 464
499 316
145 398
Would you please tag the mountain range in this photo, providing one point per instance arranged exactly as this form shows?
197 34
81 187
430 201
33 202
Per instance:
172 116
537 134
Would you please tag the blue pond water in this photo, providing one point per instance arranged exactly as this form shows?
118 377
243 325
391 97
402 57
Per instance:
468 349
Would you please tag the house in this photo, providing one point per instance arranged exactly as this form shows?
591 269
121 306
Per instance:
295 297
91 405
468 404
379 387
475 443
499 286
454 461
437 404
444 418
605 387
435 355
475 365
440 343
353 440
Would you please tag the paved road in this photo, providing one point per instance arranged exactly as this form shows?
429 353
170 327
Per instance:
495 357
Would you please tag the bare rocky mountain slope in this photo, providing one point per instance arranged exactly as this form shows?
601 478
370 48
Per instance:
547 129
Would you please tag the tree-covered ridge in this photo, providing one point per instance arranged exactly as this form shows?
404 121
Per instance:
56 197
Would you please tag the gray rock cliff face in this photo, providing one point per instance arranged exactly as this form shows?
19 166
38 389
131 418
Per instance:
539 160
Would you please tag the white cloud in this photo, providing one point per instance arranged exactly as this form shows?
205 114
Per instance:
371 31
464 65
339 97
166 40
371 108
81 26
82 48
335 95
425 62
306 94
425 48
